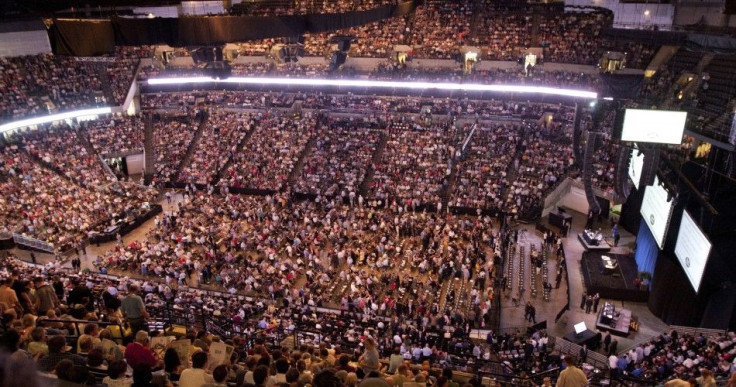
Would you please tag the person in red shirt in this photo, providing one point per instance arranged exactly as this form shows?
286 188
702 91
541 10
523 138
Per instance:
138 351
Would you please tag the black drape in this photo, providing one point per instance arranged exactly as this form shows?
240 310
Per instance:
138 32
84 37
672 298
621 86
630 217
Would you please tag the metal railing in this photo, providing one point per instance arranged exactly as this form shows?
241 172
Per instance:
34 243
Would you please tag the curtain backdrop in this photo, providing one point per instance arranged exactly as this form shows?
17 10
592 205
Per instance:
646 249
84 37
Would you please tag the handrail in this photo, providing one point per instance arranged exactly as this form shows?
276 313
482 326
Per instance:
34 243
77 323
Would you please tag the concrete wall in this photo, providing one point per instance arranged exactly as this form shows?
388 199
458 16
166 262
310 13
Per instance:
636 16
135 163
191 8
163 11
711 12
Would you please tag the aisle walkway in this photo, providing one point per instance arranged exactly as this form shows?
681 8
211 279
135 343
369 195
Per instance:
513 316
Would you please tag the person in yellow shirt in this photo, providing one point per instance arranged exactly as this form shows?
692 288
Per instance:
571 376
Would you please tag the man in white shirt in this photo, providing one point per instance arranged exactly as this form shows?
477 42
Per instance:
196 376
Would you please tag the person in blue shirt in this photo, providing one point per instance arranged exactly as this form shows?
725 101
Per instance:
263 324
637 372
623 362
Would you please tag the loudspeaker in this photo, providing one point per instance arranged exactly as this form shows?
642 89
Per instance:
343 45
338 59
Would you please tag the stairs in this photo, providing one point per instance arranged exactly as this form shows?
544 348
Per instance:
536 20
84 140
705 61
101 70
452 179
148 151
588 172
663 55
303 156
511 170
192 146
577 132
238 148
380 148
477 21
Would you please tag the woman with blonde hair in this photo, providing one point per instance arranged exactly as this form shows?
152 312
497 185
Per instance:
706 378
369 360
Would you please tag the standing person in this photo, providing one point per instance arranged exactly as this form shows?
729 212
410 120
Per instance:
588 303
369 360
596 300
33 257
571 376
196 376
614 347
45 296
582 301
532 314
607 341
583 353
589 221
616 238
134 310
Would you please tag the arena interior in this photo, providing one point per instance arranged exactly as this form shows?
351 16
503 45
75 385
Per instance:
368 193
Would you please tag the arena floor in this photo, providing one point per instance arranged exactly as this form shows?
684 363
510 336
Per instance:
512 315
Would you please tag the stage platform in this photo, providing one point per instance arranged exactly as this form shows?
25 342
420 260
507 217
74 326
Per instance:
588 337
601 246
615 320
616 283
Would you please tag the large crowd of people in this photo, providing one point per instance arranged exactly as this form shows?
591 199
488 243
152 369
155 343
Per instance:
219 142
40 202
172 138
272 152
414 167
348 239
339 161
44 84
116 135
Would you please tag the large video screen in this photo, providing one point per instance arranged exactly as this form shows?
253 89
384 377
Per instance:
636 165
692 249
656 126
656 211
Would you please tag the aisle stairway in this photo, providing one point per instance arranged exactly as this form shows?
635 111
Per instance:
588 172
148 150
238 148
380 148
187 159
84 140
101 70
302 158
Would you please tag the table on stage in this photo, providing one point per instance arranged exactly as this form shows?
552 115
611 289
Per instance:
557 218
608 264
586 337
